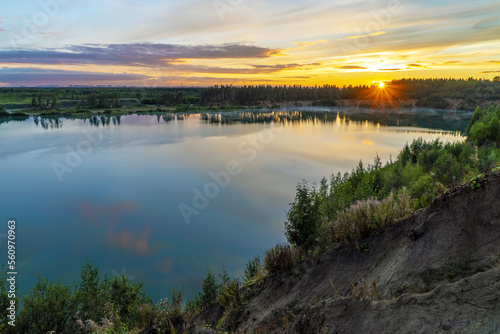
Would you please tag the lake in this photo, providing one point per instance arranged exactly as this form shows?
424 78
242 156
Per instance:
163 198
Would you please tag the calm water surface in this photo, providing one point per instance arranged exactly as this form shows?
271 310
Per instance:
126 192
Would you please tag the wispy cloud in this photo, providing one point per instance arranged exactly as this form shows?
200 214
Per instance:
34 76
378 33
138 54
23 76
390 69
351 67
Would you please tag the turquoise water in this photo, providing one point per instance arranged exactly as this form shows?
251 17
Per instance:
164 198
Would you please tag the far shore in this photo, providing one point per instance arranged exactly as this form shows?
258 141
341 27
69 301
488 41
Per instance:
456 104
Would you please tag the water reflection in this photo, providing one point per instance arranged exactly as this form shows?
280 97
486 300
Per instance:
426 118
454 121
120 203
15 118
49 123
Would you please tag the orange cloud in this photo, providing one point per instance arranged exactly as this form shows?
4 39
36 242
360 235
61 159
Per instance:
126 240
108 217
352 67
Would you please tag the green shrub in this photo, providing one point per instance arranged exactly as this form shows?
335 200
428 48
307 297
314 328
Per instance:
230 295
304 217
488 157
423 189
252 269
484 126
47 307
126 298
193 306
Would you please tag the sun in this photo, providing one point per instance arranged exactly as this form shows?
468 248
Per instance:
381 85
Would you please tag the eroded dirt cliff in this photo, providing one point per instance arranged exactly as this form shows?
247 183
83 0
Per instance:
435 272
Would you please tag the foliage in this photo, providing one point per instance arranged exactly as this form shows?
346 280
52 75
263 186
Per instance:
193 305
433 101
252 269
248 95
126 297
230 295
304 217
484 126
210 289
280 258
469 89
167 316
91 295
478 182
428 93
368 216
47 307
356 204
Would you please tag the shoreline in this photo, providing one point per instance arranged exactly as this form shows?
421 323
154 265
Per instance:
361 105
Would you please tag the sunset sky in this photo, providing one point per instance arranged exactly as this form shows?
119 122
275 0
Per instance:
206 42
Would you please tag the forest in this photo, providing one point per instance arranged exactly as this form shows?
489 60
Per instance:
428 93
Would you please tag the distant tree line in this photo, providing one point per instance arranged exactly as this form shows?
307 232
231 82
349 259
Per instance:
431 93
247 95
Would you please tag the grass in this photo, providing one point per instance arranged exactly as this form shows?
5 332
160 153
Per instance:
368 216
281 257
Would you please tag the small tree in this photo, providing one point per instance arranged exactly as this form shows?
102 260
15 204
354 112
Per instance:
34 103
304 217
252 268
126 298
40 101
54 103
91 295
210 289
